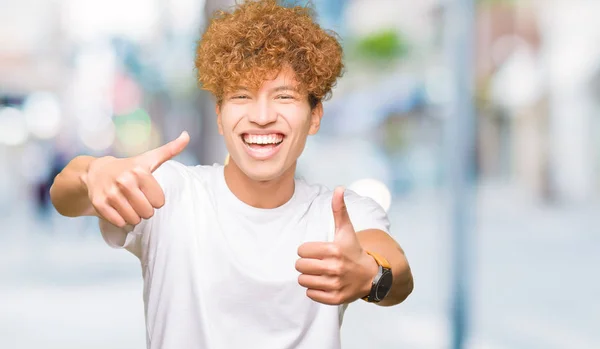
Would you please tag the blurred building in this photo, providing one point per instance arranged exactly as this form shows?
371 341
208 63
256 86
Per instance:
538 110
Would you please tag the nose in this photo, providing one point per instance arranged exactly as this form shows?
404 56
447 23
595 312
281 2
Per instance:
262 114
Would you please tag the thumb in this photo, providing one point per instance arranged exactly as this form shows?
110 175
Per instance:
340 212
154 158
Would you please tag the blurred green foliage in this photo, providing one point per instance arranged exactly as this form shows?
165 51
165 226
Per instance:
384 45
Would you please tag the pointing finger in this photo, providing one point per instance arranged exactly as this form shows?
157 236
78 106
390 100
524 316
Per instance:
154 158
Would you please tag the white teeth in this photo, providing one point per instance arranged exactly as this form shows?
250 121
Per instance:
263 139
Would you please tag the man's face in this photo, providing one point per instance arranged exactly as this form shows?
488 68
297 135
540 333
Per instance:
265 131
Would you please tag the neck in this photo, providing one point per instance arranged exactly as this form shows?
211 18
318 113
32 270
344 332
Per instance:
260 194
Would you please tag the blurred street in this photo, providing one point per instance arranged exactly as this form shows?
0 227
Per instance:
62 287
413 115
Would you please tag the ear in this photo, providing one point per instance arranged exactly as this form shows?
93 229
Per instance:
315 118
219 123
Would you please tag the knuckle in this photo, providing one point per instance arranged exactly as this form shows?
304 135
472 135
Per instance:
335 250
336 283
336 268
138 171
98 202
125 180
112 193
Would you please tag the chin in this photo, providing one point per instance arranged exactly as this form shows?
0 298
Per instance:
263 172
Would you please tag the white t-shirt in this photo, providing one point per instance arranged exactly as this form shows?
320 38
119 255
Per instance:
220 274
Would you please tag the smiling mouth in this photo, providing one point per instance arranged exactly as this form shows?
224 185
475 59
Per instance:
262 141
262 146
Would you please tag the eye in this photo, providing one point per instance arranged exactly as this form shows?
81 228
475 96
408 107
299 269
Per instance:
285 97
240 97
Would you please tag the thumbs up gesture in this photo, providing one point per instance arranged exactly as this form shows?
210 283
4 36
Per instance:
123 191
336 272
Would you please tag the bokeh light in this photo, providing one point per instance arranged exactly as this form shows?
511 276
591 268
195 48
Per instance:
133 131
127 95
43 115
94 118
98 139
13 129
373 189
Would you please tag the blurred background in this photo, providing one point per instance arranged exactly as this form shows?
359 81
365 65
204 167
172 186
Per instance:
117 77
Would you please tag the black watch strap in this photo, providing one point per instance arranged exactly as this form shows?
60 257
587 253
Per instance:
382 282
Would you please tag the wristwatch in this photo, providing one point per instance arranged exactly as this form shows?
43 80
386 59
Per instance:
382 283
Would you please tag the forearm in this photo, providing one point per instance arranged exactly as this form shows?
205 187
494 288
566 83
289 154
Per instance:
381 243
68 194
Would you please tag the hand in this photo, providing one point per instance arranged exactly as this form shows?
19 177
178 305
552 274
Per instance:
123 191
336 272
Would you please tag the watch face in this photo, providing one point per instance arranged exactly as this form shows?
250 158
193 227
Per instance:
384 285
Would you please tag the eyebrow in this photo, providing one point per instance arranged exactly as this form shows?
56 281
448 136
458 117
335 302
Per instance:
285 88
276 89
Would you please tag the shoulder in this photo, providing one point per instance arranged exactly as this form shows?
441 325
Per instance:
365 213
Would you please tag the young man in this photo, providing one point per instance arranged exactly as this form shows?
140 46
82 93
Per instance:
246 255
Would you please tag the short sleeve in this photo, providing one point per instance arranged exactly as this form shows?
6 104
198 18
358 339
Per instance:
366 213
130 237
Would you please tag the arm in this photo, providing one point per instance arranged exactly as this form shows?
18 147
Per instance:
382 243
120 191
341 271
68 193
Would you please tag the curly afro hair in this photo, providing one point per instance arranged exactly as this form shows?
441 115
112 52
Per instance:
257 38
